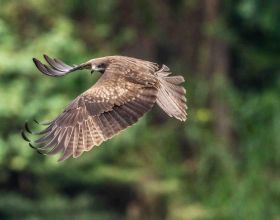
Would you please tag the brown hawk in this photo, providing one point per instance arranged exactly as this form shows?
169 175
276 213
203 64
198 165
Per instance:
127 89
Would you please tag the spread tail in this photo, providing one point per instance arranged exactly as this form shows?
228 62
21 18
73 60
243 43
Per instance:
171 96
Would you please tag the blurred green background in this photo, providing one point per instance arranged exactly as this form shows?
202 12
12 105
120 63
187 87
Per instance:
222 163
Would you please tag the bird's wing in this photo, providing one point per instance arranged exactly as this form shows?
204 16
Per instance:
56 67
98 114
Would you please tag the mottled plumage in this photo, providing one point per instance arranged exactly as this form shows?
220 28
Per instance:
127 89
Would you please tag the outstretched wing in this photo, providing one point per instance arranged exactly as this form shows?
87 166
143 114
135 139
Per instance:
56 67
111 105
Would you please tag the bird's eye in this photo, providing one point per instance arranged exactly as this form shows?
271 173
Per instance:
101 66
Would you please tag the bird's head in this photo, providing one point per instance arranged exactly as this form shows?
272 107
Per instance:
99 64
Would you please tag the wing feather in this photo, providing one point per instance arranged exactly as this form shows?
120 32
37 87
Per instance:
111 105
77 151
58 68
90 139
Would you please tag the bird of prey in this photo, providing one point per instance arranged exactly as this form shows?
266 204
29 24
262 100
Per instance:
127 89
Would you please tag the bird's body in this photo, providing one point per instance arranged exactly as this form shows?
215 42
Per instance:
126 90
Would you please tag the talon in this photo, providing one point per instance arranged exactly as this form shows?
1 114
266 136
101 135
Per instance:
35 120
39 152
30 145
27 128
24 136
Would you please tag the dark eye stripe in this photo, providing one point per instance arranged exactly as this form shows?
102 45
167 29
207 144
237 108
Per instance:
102 66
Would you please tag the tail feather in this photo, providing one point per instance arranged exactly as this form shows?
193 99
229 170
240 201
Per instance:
171 95
175 79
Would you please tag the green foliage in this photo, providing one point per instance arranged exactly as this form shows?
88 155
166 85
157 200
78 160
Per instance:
160 168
